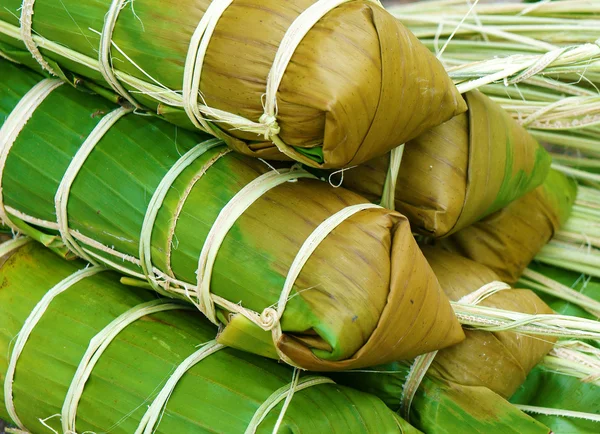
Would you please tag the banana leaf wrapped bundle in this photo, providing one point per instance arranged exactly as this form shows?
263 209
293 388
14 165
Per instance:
459 172
329 83
298 271
488 367
147 359
508 240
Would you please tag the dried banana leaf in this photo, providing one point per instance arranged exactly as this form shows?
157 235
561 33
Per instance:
508 240
359 300
444 407
221 393
459 172
358 84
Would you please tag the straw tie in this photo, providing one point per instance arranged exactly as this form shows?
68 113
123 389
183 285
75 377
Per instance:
12 127
28 326
422 363
156 202
26 20
286 392
61 199
388 197
104 57
96 348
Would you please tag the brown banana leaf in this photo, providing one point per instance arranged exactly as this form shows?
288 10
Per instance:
508 240
358 84
219 394
365 296
459 172
499 361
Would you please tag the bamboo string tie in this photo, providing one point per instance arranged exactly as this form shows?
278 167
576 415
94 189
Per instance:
225 221
104 56
28 326
61 199
182 201
286 392
156 202
12 127
96 348
388 197
26 21
154 412
422 363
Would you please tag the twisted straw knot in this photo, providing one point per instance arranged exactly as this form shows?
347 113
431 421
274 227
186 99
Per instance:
269 319
270 124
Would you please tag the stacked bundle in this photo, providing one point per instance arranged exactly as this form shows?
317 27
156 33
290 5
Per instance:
287 266
321 82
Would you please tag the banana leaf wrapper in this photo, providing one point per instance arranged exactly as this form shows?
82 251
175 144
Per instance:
220 393
359 299
358 84
444 407
459 172
508 240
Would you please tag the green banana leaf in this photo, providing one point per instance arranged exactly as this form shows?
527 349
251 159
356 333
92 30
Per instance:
444 407
508 240
459 172
362 290
342 100
219 394
548 389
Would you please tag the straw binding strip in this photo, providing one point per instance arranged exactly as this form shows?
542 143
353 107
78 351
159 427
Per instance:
14 124
96 348
558 412
388 197
12 245
225 221
155 204
26 21
152 415
104 58
28 326
422 363
61 199
279 395
181 203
